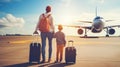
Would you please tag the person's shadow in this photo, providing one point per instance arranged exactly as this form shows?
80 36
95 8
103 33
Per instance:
40 65
56 65
21 65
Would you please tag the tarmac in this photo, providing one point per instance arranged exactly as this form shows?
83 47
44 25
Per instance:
91 52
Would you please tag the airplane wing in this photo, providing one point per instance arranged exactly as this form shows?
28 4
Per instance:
75 26
112 26
85 21
109 20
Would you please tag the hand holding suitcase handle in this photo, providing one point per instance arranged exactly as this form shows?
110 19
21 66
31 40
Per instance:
70 41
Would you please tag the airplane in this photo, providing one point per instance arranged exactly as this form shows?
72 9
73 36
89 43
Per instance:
96 27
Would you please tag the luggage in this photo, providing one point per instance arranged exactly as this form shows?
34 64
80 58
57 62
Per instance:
35 52
70 53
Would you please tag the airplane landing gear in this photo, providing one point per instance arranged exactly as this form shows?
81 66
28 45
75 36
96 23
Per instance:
107 32
107 35
85 35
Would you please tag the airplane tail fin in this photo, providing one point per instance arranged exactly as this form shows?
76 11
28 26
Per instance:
96 11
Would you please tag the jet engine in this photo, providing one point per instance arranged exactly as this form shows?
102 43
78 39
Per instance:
80 31
111 31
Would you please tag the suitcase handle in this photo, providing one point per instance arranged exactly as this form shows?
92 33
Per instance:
70 41
35 37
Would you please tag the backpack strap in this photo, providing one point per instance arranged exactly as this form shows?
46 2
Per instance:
48 15
44 15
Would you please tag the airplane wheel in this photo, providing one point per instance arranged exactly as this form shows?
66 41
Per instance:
85 35
107 35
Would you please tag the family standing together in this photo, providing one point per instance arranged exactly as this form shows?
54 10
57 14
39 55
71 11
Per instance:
47 29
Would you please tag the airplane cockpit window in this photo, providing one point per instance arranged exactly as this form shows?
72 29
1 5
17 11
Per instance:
98 17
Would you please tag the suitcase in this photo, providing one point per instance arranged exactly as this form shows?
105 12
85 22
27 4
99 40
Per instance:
35 52
70 53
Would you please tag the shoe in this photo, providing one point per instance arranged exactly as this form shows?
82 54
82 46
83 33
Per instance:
60 60
43 61
56 61
49 60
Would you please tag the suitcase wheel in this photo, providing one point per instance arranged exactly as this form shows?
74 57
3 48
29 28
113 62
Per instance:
38 62
74 61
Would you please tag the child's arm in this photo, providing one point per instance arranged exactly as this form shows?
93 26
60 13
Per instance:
54 35
64 40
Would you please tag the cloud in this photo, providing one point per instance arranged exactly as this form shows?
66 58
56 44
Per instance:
66 3
98 1
11 21
2 26
101 1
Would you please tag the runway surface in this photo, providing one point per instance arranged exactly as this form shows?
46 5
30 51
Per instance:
91 52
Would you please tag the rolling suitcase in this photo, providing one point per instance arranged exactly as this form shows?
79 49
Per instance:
35 52
70 53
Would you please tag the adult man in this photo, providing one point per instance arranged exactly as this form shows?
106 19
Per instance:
46 34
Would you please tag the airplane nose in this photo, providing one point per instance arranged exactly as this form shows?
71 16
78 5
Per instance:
98 25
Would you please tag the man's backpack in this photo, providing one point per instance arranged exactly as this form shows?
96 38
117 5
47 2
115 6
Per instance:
44 23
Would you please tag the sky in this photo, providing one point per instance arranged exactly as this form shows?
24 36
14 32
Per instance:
21 16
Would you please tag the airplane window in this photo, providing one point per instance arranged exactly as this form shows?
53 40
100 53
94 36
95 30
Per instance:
98 17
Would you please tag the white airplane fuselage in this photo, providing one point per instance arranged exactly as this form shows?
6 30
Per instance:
97 25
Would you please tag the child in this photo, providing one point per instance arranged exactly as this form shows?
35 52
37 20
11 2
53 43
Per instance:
60 40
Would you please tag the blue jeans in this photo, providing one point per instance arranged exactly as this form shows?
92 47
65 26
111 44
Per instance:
45 35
